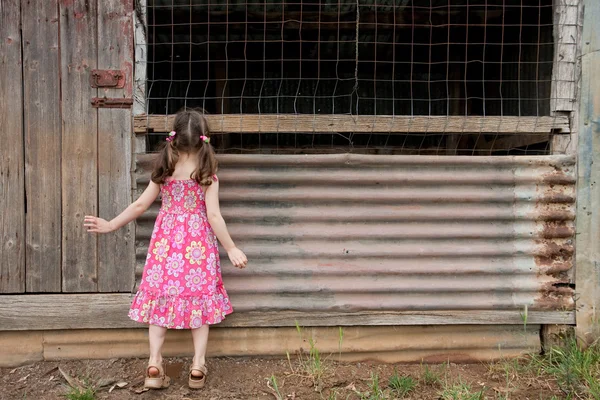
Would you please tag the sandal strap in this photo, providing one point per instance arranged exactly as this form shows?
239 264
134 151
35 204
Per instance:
161 371
201 368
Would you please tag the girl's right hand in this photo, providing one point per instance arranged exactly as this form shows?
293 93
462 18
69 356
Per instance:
97 225
237 257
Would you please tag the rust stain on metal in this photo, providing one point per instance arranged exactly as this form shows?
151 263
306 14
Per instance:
114 79
556 261
118 102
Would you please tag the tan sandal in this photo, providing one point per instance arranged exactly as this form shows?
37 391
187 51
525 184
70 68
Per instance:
197 382
161 381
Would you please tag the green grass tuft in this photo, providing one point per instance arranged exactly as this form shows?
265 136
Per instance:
81 394
460 391
430 377
402 385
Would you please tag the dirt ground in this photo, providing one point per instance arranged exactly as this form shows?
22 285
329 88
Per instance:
243 378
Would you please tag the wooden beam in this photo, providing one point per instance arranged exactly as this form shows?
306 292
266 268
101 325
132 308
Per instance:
384 124
140 58
588 190
93 311
566 38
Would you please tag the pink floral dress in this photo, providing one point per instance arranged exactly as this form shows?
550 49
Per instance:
181 286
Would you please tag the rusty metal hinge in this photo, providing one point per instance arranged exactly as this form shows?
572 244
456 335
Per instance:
115 102
105 78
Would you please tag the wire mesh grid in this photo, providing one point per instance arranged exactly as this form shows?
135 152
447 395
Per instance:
473 77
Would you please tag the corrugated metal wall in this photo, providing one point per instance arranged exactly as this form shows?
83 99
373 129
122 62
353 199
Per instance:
391 233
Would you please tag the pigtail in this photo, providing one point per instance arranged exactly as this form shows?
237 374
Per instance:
207 164
165 163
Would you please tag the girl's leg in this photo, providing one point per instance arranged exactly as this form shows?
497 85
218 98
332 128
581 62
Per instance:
156 336
200 337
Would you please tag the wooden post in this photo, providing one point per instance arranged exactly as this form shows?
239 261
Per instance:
12 191
116 253
588 193
78 49
566 69
41 83
140 59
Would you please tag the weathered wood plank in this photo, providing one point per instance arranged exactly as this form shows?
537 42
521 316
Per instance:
299 123
12 182
566 43
115 51
91 311
587 243
141 56
78 22
43 148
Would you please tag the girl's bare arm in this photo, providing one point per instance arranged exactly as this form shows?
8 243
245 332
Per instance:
135 209
237 257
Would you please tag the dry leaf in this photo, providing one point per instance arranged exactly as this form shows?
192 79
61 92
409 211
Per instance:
105 382
141 390
12 371
23 378
70 380
119 385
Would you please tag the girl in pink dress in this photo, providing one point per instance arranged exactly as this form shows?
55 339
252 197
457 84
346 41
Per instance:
181 286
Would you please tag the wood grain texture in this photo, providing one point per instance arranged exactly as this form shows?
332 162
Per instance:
43 144
115 51
12 182
78 22
567 26
91 311
587 243
271 123
141 56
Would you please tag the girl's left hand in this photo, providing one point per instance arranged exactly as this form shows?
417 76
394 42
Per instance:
237 257
97 225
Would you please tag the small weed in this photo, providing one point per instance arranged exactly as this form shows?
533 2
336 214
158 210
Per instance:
460 391
374 392
332 395
429 377
402 385
312 364
524 317
374 386
315 364
81 394
275 387
340 341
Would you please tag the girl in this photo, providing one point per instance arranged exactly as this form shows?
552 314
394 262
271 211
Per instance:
181 286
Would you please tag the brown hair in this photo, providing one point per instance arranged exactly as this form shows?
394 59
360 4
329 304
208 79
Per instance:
189 125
